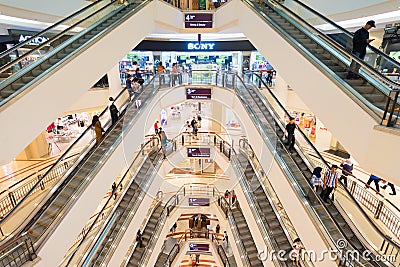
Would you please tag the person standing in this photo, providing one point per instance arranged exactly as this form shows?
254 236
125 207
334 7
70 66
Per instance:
289 133
347 168
316 180
217 229
136 91
198 121
97 129
163 137
193 123
296 250
330 183
161 72
139 238
226 238
128 85
156 127
113 111
360 42
114 190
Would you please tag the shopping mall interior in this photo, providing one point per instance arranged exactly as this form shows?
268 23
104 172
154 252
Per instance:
206 133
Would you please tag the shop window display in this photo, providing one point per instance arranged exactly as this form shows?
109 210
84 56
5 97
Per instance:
307 122
143 60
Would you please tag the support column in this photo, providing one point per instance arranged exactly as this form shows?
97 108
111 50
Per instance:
114 81
37 149
217 119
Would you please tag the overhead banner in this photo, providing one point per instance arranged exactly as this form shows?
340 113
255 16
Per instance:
198 20
198 152
198 93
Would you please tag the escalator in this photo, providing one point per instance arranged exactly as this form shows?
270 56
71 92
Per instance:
64 68
372 87
270 218
43 221
137 256
329 216
65 45
124 209
245 236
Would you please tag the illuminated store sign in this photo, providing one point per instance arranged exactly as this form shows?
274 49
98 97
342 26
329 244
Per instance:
199 152
198 20
198 93
37 41
201 46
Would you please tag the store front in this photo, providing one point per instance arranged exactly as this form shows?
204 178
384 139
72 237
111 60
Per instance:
207 55
19 36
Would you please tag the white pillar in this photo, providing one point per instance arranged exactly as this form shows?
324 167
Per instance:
114 81
217 117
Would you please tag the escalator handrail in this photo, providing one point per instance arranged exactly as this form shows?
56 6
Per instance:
288 114
349 34
15 47
30 176
128 170
374 190
329 166
64 155
57 36
272 204
357 204
316 219
50 198
395 86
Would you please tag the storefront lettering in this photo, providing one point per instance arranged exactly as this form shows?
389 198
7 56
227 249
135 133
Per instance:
201 46
36 41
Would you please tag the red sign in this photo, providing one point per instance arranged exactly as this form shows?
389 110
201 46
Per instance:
198 93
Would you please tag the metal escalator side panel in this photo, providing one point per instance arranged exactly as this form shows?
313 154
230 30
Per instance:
93 29
329 222
127 206
43 219
332 64
304 164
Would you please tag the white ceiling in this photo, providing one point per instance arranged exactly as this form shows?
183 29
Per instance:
60 8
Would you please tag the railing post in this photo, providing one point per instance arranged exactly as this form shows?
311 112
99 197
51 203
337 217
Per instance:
393 95
353 187
229 153
141 148
183 139
220 146
12 198
184 191
378 209
42 183
215 140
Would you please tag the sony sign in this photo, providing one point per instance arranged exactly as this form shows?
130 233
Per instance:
37 41
201 46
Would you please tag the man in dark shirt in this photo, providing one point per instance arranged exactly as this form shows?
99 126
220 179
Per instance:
113 111
289 133
347 168
128 84
360 42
